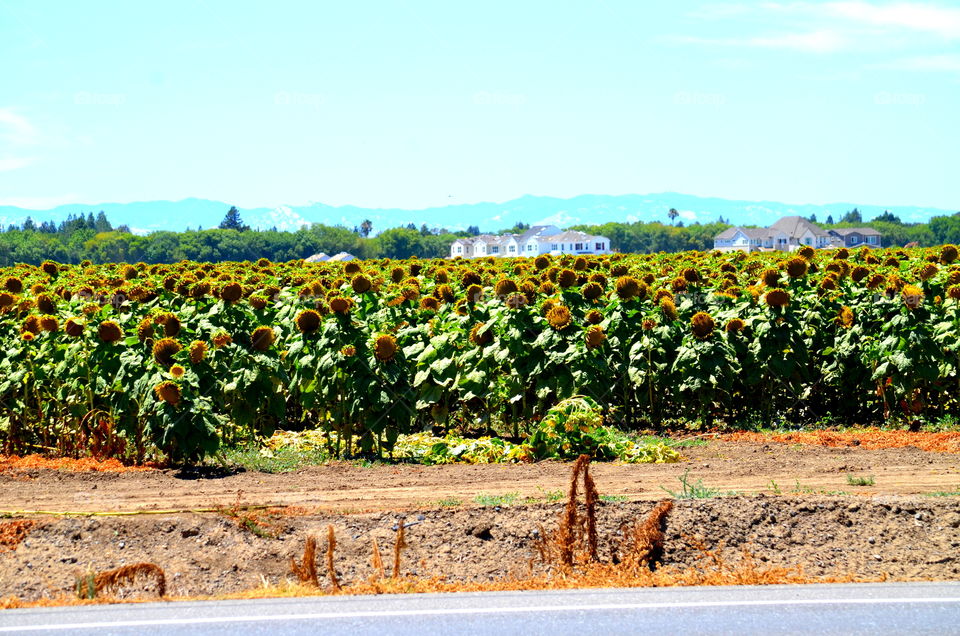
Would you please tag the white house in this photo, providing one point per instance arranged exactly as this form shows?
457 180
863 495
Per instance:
539 239
789 234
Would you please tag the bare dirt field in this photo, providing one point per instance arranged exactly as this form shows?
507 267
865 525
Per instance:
793 505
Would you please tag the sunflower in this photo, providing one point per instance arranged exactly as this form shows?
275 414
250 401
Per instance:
627 287
445 293
171 326
691 275
547 288
340 305
27 336
429 303
594 317
49 323
474 293
771 277
6 299
168 392
385 347
806 253
177 371
858 273
308 321
480 339
348 351
13 284
50 268
504 287
164 350
591 291
734 325
198 351
262 337
559 317
46 304
648 324
912 296
353 268
668 308
595 336
845 317
702 325
258 301
953 292
580 264
360 284
948 254
73 327
231 292
109 331
777 298
31 325
567 278
541 263
797 267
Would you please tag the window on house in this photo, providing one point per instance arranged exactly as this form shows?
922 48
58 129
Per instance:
459 250
513 248
854 240
598 246
872 239
553 247
807 241
495 249
578 247
529 247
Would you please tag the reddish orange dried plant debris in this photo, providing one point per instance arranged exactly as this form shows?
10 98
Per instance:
868 439
68 464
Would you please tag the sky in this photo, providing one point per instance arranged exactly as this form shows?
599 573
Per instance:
408 103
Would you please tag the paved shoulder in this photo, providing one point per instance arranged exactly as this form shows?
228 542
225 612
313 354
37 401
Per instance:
822 609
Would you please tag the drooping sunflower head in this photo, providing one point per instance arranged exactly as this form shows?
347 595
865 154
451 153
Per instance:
953 292
163 351
627 287
691 275
360 284
668 308
504 287
547 288
49 323
168 392
648 324
46 303
385 347
109 331
30 325
567 278
429 303
474 293
702 325
541 263
734 325
515 301
845 317
258 301
171 326
50 268
198 351
231 292
594 317
559 317
6 300
340 305
912 296
480 339
595 336
928 271
797 267
262 337
806 253
858 273
948 254
777 298
771 277
308 321
73 327
13 284
445 293
591 291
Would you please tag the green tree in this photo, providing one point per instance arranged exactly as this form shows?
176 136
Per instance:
232 221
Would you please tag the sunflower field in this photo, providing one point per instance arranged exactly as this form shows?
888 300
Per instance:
129 360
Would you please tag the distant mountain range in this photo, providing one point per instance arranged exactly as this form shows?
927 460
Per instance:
150 216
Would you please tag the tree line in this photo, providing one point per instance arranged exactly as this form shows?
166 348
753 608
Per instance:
93 237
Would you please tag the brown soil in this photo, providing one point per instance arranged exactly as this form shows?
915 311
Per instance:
893 531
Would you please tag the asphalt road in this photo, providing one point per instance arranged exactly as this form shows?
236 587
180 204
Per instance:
927 608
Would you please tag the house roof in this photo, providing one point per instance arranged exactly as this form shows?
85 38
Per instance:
317 258
569 236
749 232
795 226
864 231
342 256
533 232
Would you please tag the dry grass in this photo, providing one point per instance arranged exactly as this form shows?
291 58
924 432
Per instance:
12 533
868 438
16 463
259 521
306 569
112 581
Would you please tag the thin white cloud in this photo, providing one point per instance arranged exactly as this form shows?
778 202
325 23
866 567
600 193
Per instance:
15 129
39 203
14 163
914 16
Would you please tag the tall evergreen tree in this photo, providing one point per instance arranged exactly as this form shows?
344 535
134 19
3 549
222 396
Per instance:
232 221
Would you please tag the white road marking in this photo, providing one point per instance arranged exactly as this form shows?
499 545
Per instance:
460 611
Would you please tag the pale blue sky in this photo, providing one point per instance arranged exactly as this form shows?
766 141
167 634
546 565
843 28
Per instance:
411 103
